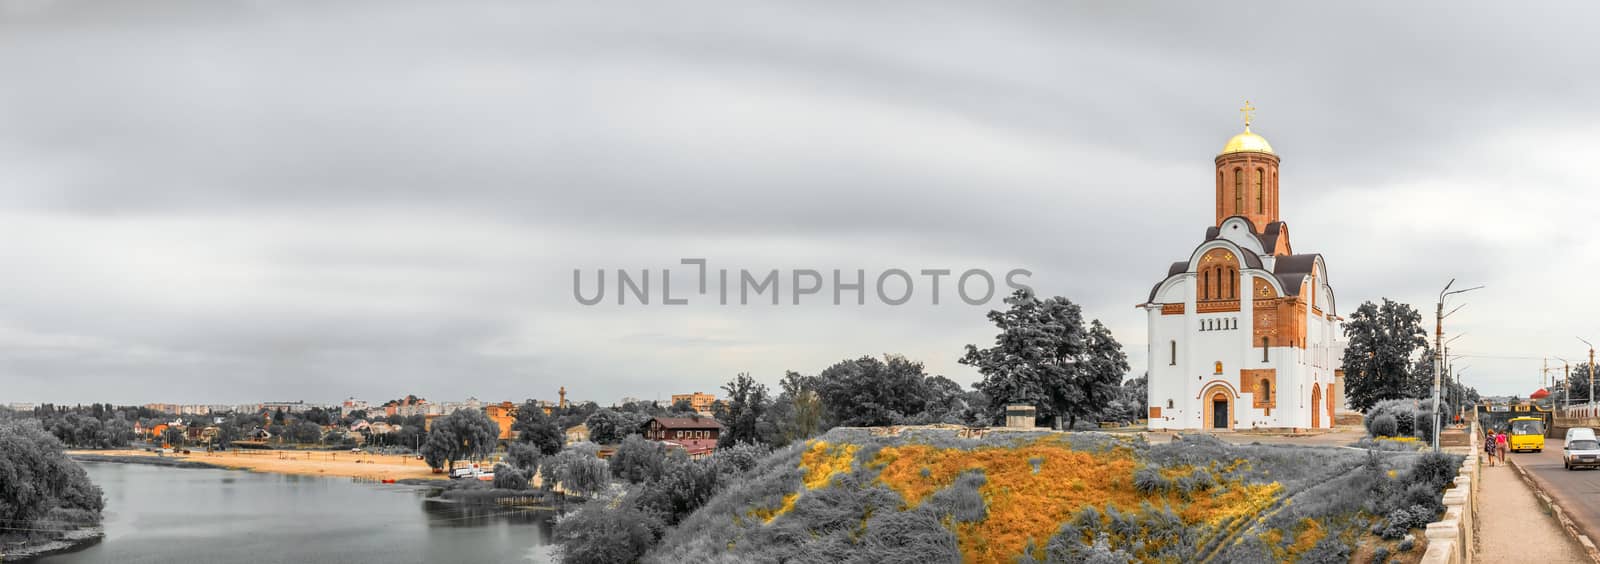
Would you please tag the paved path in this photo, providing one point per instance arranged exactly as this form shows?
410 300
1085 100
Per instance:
1513 526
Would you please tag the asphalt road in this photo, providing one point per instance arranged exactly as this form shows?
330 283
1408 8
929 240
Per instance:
1576 491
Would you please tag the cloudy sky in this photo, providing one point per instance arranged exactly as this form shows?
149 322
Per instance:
224 201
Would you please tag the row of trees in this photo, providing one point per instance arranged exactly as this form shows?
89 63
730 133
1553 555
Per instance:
1388 357
1045 355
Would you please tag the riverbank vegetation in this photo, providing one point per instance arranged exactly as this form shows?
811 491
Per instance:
44 496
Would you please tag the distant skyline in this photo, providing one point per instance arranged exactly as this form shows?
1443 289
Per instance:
222 201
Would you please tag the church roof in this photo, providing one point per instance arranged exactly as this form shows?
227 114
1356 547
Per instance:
1268 236
1292 269
1247 142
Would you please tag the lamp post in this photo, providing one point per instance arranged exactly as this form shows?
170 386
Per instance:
1591 368
1438 353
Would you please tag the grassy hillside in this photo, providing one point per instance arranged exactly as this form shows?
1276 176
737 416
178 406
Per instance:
930 496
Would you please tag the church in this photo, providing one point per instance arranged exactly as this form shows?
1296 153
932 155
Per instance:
1243 332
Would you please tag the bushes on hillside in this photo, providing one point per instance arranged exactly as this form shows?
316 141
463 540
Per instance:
605 531
1261 503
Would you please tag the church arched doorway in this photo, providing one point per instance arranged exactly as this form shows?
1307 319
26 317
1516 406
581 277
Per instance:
1219 411
1316 406
1218 408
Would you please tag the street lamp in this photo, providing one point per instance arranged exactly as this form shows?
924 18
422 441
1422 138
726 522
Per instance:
1438 352
1591 368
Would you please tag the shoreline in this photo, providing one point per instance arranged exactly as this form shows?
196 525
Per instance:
369 467
71 541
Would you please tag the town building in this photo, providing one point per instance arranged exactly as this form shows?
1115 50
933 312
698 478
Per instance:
696 435
352 405
503 414
1243 333
287 406
699 402
578 434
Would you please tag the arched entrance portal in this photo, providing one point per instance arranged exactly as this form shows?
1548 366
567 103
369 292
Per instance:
1316 406
1218 408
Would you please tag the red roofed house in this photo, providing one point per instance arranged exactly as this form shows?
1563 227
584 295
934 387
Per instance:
697 435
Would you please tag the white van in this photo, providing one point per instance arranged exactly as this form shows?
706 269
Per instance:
1580 449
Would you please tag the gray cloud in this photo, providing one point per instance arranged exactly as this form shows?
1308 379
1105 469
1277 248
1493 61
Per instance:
227 201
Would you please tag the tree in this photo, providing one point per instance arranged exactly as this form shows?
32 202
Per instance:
524 456
796 413
869 392
609 426
1578 382
172 436
1378 357
305 432
1103 372
533 427
638 459
743 416
1132 400
462 434
578 471
36 479
1045 357
943 402
508 478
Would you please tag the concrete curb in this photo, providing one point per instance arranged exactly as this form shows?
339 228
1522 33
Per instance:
1567 523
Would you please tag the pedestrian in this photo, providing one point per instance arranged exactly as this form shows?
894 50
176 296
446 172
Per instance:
1501 444
1488 445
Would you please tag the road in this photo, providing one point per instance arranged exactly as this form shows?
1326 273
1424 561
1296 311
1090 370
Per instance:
1576 491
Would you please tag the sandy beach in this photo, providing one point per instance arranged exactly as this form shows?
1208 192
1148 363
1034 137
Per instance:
308 463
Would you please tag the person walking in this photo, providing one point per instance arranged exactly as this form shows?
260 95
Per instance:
1501 444
1488 445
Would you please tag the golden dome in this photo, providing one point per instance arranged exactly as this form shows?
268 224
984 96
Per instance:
1247 142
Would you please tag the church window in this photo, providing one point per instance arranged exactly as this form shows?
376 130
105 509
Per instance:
1231 276
1174 361
1266 388
1261 198
1169 404
1205 284
1238 191
1264 349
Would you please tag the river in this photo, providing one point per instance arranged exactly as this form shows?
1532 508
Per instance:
160 515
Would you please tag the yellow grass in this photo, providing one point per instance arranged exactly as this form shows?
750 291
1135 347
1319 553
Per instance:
1026 505
304 463
821 463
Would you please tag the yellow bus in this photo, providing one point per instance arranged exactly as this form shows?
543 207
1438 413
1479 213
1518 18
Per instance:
1527 433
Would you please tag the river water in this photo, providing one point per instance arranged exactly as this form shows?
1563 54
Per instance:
158 514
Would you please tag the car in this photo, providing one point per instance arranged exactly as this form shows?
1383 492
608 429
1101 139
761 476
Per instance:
1580 449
